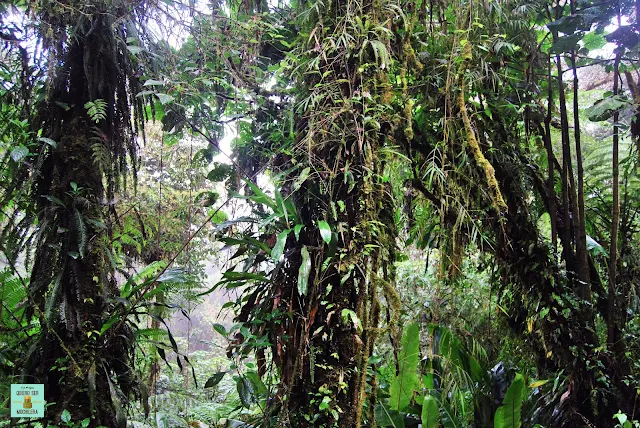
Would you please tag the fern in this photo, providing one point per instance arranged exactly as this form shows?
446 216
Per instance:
97 110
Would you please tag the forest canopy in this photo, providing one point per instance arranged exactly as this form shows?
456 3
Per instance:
320 213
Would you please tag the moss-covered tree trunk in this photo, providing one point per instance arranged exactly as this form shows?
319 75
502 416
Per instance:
348 238
84 371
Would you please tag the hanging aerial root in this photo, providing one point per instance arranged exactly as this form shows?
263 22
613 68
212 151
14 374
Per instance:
481 160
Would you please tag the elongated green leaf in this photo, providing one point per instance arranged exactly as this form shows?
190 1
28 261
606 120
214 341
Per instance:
261 197
245 276
403 386
246 392
303 272
278 249
509 414
164 98
214 380
325 231
430 412
301 178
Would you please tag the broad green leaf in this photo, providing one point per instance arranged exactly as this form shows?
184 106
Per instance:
246 392
430 412
152 82
604 109
135 49
566 43
325 231
303 272
219 328
509 414
593 41
19 153
595 248
296 231
259 387
278 248
65 416
403 386
304 174
214 380
220 172
164 98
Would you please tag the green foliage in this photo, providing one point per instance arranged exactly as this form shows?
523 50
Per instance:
97 110
509 414
406 382
430 413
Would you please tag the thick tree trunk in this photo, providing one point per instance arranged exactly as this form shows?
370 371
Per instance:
336 320
84 371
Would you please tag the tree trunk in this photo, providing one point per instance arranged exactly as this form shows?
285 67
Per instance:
84 371
336 319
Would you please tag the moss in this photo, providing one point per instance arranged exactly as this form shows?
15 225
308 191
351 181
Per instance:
479 157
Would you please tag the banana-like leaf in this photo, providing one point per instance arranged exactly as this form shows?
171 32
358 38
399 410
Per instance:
509 414
430 412
403 386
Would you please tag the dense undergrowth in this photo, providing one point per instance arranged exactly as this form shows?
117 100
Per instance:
321 213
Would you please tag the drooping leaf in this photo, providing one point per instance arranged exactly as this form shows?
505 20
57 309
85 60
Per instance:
48 141
430 413
304 174
565 43
404 384
259 387
246 392
164 98
19 153
219 328
325 231
278 248
605 108
595 248
303 272
214 380
509 414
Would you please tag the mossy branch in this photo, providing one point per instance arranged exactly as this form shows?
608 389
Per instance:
481 160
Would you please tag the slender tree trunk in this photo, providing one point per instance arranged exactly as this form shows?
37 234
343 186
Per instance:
565 232
612 329
579 222
551 188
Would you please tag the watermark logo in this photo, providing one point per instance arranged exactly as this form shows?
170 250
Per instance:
27 401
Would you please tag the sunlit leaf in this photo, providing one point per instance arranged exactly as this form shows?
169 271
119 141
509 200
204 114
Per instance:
303 272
